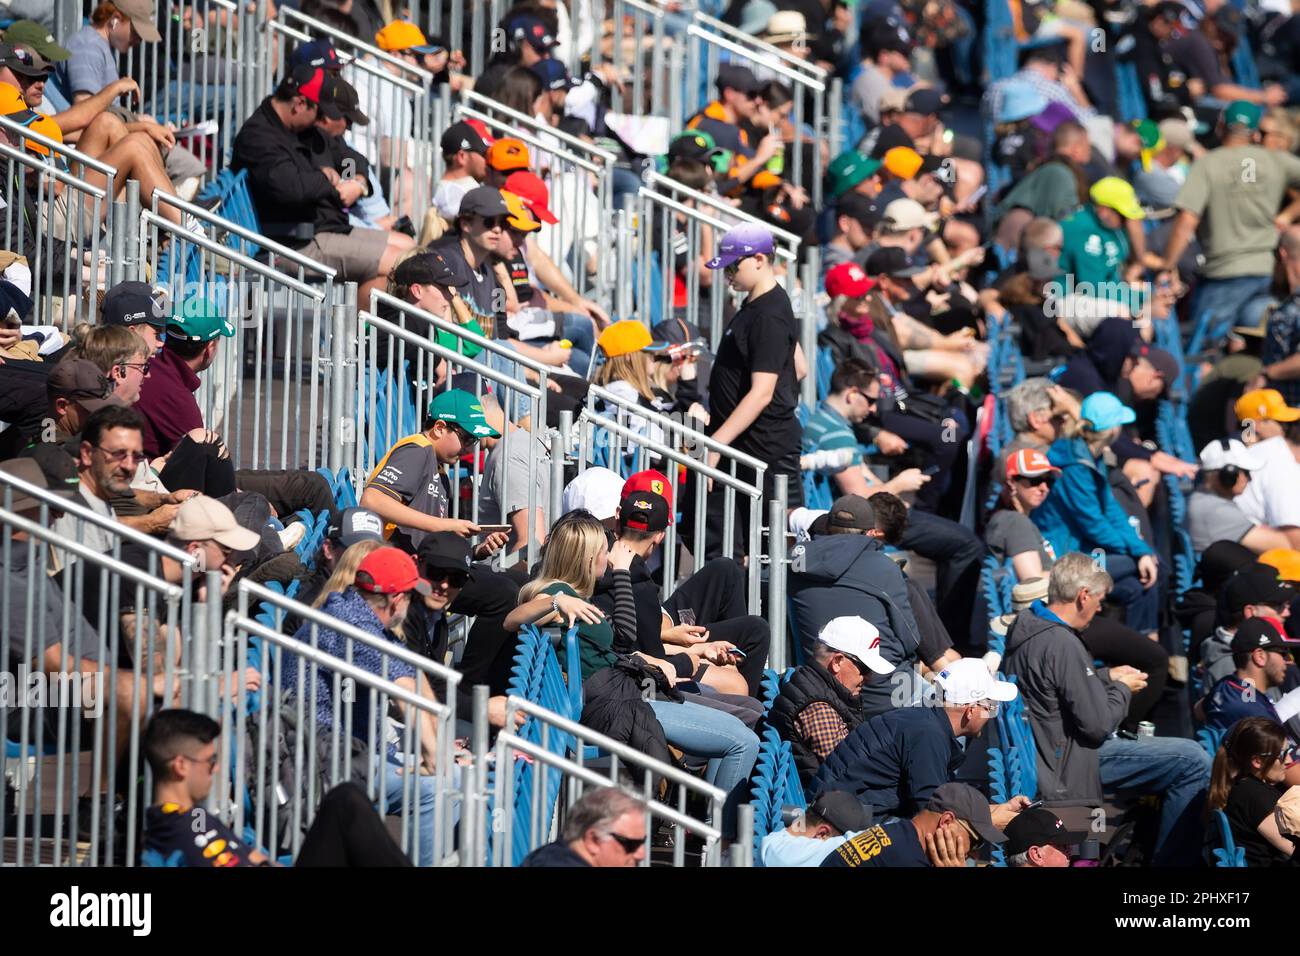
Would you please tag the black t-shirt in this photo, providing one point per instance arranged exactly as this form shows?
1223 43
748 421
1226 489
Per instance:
761 338
193 837
1250 801
1192 57
886 844
483 283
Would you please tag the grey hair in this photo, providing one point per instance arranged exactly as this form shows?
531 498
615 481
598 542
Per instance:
1029 396
597 810
1019 859
1071 574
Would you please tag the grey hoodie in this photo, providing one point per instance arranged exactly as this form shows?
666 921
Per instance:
1216 656
1072 706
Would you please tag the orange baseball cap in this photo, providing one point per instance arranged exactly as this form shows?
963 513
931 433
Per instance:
14 108
1030 463
903 162
626 337
1285 560
521 216
1265 404
507 155
403 35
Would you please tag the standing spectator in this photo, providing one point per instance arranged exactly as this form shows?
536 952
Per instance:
1096 246
754 384
1234 214
1248 768
1212 512
604 828
1074 709
1270 497
1281 347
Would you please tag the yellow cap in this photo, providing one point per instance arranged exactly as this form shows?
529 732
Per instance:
401 35
903 161
1265 404
1286 560
624 338
521 216
1115 193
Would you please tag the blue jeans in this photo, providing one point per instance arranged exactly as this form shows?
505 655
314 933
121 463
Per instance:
1237 301
395 778
578 328
1179 771
1141 605
730 746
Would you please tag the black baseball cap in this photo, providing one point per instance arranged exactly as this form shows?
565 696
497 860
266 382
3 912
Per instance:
1163 361
643 511
851 513
460 136
842 810
866 211
133 303
1256 633
892 261
339 101
889 36
433 268
57 465
355 524
732 76
23 60
927 101
1170 10
968 804
1039 827
444 551
485 201
884 138
1257 584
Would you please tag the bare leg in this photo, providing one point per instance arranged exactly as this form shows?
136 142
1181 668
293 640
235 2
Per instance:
104 132
136 157
398 245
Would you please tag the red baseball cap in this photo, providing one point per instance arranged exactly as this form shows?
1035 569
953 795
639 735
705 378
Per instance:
529 187
655 482
390 571
848 279
1030 463
481 128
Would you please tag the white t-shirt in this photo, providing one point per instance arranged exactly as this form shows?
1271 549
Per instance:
391 116
91 535
1273 495
449 193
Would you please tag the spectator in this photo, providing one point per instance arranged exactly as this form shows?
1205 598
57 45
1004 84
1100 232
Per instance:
480 224
831 820
107 457
182 749
895 761
1236 225
1096 246
1010 534
606 827
1249 766
856 221
820 705
1262 656
207 529
754 384
350 526
135 305
1042 73
888 48
1189 60
302 203
510 475
1038 838
1254 591
1037 411
1058 185
77 389
954 823
1212 512
1281 344
597 491
1074 709
722 118
1269 498
855 173
119 354
167 403
464 152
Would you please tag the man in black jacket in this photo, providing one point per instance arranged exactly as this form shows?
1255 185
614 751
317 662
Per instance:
301 203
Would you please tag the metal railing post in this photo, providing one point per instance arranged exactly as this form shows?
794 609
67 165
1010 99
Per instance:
119 225
475 817
776 571
742 851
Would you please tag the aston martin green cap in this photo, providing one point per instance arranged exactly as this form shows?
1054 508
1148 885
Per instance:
848 169
459 407
199 320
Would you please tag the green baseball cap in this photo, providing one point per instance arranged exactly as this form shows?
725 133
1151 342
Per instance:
459 407
849 169
1241 113
32 34
199 320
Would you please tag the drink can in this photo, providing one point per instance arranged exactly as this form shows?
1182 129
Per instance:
1146 729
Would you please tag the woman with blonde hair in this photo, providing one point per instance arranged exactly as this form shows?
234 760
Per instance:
345 570
577 554
1081 513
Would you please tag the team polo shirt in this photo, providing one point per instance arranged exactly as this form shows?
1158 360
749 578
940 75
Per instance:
412 474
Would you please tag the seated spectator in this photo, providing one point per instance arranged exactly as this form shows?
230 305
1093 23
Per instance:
1190 60
119 354
1038 838
1212 511
1269 498
1081 512
1248 770
888 48
350 526
1073 711
598 491
820 705
737 100
1037 410
953 824
511 472
1262 656
182 748
629 353
136 306
1096 248
831 820
576 557
895 761
302 203
606 827
464 152
1057 185
853 237
1253 591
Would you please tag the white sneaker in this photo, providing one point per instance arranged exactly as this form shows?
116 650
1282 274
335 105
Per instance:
292 535
188 188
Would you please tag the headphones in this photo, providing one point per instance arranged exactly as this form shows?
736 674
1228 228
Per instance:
1229 473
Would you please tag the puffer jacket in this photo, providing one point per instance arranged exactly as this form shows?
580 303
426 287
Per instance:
1081 513
810 684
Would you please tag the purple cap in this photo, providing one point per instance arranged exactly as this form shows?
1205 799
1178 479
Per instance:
1053 116
741 241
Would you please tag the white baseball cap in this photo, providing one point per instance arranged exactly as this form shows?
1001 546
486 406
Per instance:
1226 452
858 638
968 681
597 490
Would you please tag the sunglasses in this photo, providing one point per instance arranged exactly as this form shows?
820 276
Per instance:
455 579
1036 481
976 841
732 269
142 366
495 222
467 440
122 454
629 844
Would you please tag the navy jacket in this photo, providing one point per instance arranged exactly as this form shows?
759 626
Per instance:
895 761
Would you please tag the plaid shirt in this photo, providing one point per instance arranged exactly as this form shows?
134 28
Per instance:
1055 93
821 727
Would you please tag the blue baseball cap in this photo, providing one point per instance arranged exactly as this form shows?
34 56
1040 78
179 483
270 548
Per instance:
1020 101
1105 410
554 75
316 53
741 241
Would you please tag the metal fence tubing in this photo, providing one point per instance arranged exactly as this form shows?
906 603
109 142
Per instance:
776 571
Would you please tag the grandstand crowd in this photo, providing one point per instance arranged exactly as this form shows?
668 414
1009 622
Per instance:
1044 511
